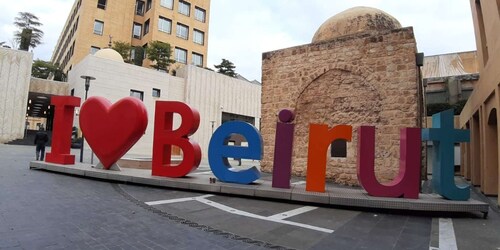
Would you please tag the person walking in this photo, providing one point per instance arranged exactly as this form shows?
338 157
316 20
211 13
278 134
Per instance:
41 139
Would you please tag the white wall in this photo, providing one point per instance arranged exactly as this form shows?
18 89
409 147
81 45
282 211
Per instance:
212 93
15 74
114 80
202 89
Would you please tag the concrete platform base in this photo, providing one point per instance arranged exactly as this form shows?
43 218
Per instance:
338 196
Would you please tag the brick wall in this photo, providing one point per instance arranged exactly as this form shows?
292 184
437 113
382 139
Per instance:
363 79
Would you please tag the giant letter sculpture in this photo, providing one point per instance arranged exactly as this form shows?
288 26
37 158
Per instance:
165 137
406 184
320 138
283 146
443 135
63 124
218 152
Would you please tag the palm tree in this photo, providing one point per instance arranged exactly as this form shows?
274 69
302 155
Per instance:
28 34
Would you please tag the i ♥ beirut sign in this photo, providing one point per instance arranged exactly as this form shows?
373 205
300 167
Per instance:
112 129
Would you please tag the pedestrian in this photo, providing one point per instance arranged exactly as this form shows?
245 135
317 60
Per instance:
41 138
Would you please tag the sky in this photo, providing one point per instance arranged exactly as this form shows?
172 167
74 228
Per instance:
241 30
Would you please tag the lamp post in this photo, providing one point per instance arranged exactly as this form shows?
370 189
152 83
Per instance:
212 126
87 86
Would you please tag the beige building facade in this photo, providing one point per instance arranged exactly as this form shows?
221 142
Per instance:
91 25
481 155
360 69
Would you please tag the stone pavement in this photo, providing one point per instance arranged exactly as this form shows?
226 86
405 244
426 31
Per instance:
43 210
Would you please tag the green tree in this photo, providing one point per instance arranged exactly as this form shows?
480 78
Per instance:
28 34
123 48
160 53
43 69
139 55
226 67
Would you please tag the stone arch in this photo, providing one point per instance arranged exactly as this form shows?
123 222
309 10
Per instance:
475 150
306 81
491 154
338 95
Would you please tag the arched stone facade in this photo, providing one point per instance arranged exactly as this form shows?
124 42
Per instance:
367 78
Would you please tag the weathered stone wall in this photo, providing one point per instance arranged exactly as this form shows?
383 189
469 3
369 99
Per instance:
15 73
363 79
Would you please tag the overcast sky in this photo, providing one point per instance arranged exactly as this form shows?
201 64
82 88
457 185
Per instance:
241 30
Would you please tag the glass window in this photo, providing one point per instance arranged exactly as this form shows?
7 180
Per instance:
132 54
98 27
149 3
94 49
197 59
139 8
181 55
199 37
184 8
101 4
199 14
137 94
137 30
165 25
182 31
146 27
156 92
167 3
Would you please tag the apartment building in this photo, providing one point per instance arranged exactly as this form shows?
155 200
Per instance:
93 24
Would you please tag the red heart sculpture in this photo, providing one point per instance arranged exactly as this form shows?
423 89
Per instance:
111 130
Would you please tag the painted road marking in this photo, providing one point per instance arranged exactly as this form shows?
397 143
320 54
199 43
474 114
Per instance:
299 182
273 218
447 238
154 203
288 214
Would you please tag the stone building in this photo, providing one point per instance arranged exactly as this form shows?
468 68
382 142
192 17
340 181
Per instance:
480 157
360 69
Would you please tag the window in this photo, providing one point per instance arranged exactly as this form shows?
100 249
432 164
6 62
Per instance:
338 148
182 31
149 3
197 59
146 27
132 54
199 37
199 14
94 49
98 27
482 32
181 55
137 30
101 4
137 94
165 25
156 92
184 8
167 4
139 8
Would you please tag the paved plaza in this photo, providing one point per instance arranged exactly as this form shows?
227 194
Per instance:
45 210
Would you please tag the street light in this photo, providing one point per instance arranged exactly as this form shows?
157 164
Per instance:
87 86
212 126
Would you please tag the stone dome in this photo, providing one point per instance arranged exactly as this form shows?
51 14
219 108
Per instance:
110 54
355 20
